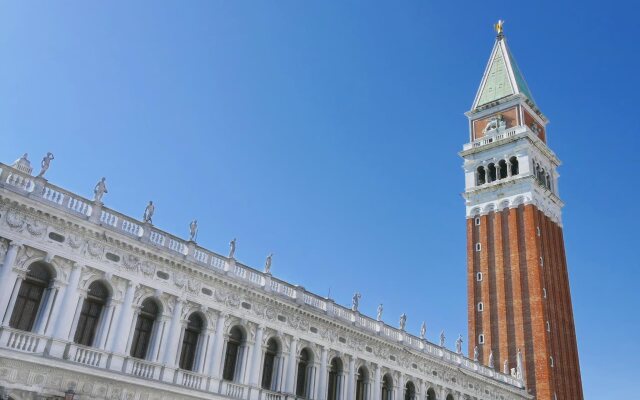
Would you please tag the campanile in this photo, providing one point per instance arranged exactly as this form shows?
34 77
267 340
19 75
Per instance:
518 288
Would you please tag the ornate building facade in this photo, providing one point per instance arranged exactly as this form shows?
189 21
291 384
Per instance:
95 304
519 301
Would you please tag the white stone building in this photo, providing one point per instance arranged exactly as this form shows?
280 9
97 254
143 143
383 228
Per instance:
98 305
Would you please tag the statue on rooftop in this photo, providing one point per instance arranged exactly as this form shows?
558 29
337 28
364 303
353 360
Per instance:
380 309
423 330
148 213
403 321
267 264
442 338
232 248
45 164
459 344
355 301
476 353
491 359
193 230
100 190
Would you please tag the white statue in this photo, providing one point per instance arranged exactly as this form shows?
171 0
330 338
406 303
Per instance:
476 354
193 230
267 264
519 367
459 344
442 338
232 248
148 212
423 330
100 190
45 164
403 321
380 309
491 359
355 301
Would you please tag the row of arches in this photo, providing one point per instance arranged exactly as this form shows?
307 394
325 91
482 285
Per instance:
36 288
496 171
543 177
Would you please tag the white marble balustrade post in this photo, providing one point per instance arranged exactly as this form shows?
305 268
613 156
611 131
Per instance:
322 379
254 375
351 385
8 280
291 366
216 356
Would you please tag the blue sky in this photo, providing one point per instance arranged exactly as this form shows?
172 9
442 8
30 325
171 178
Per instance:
328 131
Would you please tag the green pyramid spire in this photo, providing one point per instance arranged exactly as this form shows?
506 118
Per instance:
502 77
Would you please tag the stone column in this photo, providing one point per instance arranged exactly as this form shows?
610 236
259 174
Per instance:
12 299
51 298
254 375
105 325
64 312
8 281
351 392
216 356
120 333
204 351
291 367
170 343
377 384
322 379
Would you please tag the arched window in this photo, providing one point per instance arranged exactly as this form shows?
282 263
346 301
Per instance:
190 342
491 172
480 176
362 384
514 165
548 180
502 165
233 356
450 397
409 391
335 379
387 387
270 365
304 368
92 308
30 297
144 329
431 394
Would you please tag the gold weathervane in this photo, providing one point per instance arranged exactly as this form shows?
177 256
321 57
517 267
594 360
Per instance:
498 27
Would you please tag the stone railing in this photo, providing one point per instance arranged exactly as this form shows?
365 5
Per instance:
507 133
86 355
40 189
27 342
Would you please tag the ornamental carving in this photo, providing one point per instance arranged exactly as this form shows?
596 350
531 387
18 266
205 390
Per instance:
15 219
74 241
148 269
130 262
95 249
36 227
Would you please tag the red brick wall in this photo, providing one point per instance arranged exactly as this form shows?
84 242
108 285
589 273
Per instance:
518 265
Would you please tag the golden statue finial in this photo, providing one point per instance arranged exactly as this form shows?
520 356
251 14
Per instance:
498 27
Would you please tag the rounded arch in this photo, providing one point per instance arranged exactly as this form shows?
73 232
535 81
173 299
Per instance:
450 397
481 175
515 168
387 387
303 380
334 382
362 383
409 390
502 169
195 324
271 363
33 296
431 394
150 311
235 346
98 295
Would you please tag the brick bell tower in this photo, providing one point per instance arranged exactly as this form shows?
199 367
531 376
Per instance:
518 288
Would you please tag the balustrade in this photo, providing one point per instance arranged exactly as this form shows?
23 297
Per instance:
86 356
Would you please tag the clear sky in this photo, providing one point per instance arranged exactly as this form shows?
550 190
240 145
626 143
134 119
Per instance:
328 131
